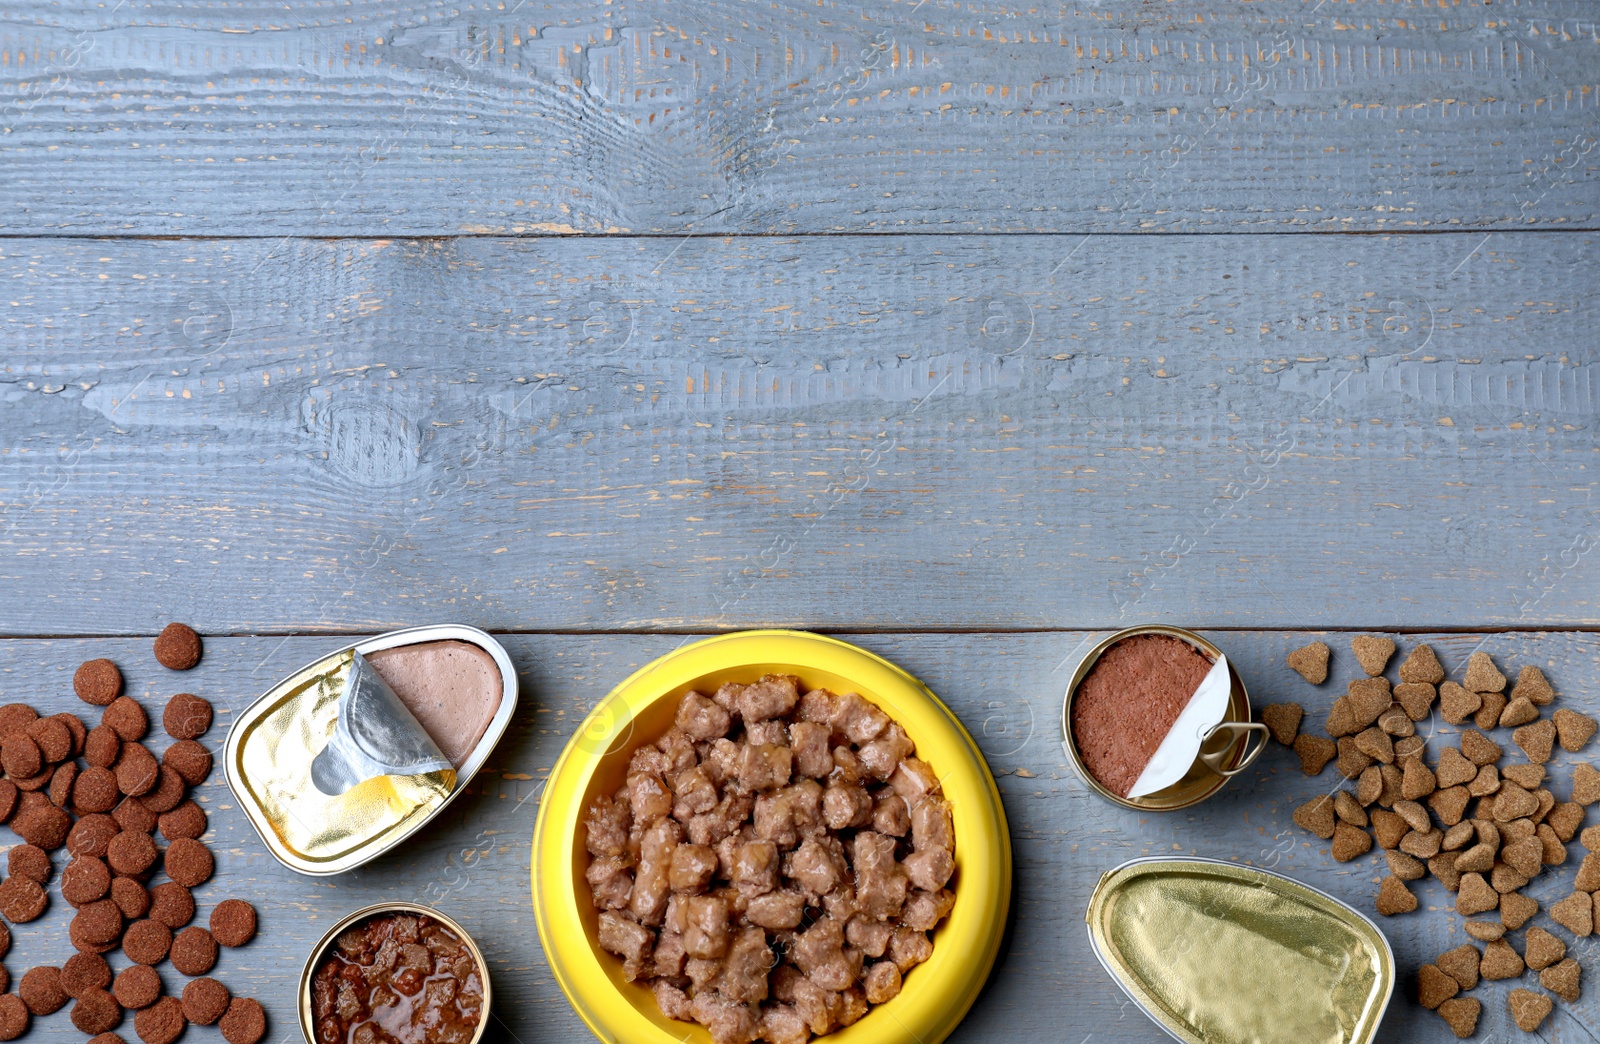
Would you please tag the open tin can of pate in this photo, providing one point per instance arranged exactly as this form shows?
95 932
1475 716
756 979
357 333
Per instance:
1220 953
325 947
1215 723
348 756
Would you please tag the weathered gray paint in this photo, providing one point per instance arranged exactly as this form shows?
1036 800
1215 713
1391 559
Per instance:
638 428
474 861
896 432
412 118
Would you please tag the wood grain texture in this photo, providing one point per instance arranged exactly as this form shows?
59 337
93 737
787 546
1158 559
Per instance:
552 117
473 862
884 433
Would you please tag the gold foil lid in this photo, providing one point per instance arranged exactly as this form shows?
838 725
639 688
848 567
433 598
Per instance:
300 721
1218 953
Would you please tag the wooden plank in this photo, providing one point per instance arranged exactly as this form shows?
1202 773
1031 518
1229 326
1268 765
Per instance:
473 863
553 117
838 432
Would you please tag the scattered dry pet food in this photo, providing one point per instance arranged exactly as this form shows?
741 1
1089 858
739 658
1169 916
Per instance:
1537 740
1531 685
162 1022
233 922
1422 667
246 1021
1394 897
186 717
1434 987
205 1000
1311 662
1315 752
1372 653
1529 1009
177 647
96 682
1482 675
1563 980
1500 961
1573 729
1461 964
1283 720
1461 1014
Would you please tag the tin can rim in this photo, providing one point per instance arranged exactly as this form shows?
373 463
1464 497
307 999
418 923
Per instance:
308 1022
1237 691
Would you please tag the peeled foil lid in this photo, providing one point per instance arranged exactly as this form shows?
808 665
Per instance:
375 735
1203 713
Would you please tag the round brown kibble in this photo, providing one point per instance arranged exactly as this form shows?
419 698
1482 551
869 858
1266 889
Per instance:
127 719
137 987
10 796
194 951
131 897
233 922
147 942
96 790
20 756
40 989
169 790
62 781
84 972
13 1017
137 770
177 647
97 923
107 1038
102 747
245 1022
171 904
186 716
91 835
85 880
131 853
5 939
97 1012
29 861
22 900
97 682
187 820
133 816
205 1001
189 862
161 1023
28 784
52 738
16 717
189 760
46 826
76 729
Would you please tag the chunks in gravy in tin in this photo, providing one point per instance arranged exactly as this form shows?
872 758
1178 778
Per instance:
774 864
397 979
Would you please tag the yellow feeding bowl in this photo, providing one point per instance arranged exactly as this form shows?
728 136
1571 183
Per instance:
936 994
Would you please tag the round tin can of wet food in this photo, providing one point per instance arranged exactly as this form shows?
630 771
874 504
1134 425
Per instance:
325 948
1173 669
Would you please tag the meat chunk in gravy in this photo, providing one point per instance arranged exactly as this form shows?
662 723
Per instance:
772 867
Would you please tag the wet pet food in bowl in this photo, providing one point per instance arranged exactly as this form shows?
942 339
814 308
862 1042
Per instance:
772 865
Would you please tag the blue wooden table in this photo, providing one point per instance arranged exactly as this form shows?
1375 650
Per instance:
968 331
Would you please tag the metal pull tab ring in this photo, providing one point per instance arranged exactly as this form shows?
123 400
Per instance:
1214 761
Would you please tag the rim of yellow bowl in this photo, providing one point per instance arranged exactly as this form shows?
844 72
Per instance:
937 993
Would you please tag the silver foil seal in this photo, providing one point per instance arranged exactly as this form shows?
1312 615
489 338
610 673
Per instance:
375 735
